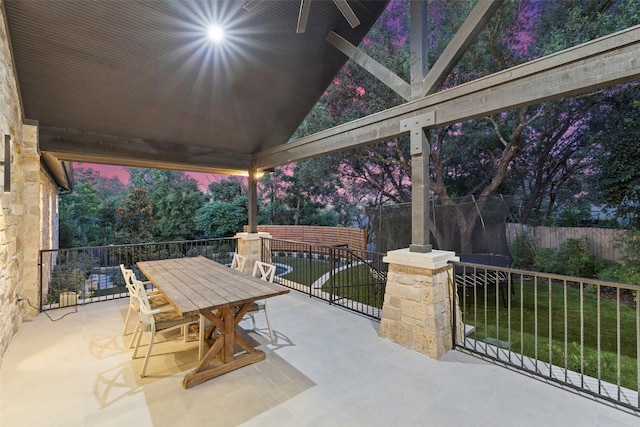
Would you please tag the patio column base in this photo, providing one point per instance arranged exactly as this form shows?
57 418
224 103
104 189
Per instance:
250 246
417 307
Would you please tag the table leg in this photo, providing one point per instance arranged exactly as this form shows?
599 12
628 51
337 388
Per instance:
228 319
201 338
209 367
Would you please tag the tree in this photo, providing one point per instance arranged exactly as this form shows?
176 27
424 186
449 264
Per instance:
135 218
562 155
87 214
228 189
78 213
305 193
175 199
617 132
272 190
227 210
111 191
537 150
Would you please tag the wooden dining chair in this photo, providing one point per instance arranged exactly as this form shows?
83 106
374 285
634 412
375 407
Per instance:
155 321
156 299
267 272
238 262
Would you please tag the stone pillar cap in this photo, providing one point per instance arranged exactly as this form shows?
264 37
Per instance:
433 260
253 236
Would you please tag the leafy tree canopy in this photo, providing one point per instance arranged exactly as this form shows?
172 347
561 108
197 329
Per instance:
175 199
222 218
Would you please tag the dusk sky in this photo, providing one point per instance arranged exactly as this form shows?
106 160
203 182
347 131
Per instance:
121 172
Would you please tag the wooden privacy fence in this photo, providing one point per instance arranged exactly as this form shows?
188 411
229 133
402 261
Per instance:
601 240
355 238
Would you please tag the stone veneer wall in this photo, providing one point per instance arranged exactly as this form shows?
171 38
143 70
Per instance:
28 213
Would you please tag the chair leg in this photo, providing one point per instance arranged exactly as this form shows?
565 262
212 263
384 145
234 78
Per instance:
146 358
266 316
139 336
253 320
126 322
136 333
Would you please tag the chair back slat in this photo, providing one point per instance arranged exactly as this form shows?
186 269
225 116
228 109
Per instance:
129 277
146 314
126 274
238 262
264 271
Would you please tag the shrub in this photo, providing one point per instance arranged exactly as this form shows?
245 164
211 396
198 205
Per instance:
573 259
547 260
523 251
629 245
66 278
628 270
576 259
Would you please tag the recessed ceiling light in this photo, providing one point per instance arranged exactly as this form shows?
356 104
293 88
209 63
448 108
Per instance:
215 33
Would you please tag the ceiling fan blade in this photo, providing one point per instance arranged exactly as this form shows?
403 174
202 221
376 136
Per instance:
252 4
305 5
347 12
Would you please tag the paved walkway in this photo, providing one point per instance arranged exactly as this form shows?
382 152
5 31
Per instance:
328 368
320 281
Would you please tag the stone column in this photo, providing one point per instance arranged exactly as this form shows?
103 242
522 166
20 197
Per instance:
30 237
418 302
250 246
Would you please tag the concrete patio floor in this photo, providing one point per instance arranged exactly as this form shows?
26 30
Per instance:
328 368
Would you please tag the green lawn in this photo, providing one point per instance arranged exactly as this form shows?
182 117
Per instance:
530 317
536 308
305 271
357 284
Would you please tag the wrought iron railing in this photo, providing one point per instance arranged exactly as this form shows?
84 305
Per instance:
89 274
349 278
582 333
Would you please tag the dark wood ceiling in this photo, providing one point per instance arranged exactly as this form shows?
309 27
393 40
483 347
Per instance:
138 83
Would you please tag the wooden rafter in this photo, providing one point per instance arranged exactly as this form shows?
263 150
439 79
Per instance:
466 34
376 69
599 63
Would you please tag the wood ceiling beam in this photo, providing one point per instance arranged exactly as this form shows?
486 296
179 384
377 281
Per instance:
377 70
347 12
80 146
466 34
303 16
599 63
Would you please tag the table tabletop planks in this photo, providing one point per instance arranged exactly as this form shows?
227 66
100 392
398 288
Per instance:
199 284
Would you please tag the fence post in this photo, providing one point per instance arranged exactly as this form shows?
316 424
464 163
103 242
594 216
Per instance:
332 252
41 280
309 269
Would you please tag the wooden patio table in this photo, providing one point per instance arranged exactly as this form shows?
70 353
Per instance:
221 295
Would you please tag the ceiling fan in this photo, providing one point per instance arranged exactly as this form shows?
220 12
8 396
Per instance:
303 15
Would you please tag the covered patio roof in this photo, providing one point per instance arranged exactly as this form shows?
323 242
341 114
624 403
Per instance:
139 83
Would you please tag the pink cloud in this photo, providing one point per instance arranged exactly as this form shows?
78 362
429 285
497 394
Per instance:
122 173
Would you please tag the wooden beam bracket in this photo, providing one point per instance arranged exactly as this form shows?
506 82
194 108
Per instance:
415 126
